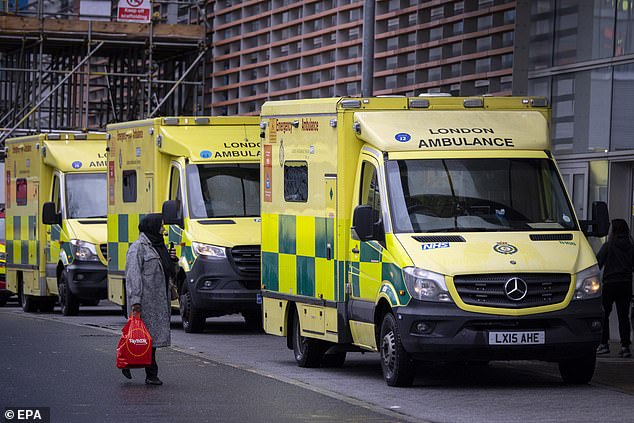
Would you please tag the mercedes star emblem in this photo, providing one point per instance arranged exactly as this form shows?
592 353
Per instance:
515 289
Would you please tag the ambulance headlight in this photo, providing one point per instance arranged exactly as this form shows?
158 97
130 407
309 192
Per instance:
588 284
424 285
208 250
84 251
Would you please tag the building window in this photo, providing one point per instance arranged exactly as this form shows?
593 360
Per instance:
483 65
485 22
623 94
583 32
296 182
581 111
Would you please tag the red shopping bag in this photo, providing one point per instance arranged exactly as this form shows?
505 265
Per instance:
135 346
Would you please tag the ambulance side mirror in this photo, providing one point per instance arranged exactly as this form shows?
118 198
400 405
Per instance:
363 223
50 215
172 214
600 222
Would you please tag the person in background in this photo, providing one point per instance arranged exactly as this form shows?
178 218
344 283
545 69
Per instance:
616 258
149 268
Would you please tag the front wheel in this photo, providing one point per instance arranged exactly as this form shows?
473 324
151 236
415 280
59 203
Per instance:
396 363
578 371
308 352
68 302
193 320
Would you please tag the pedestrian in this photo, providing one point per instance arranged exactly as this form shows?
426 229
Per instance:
149 267
616 258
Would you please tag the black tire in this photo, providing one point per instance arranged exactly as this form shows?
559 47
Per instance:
26 301
578 371
69 304
90 303
3 301
193 320
308 352
398 367
253 319
334 360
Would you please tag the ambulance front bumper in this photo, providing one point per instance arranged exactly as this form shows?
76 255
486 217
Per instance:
87 280
217 287
440 332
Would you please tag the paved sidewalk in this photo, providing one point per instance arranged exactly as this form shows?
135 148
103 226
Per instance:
615 372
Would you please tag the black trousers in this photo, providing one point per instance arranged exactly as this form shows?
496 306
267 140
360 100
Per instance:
619 293
151 372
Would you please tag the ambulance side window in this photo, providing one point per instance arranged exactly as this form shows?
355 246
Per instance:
370 194
128 184
296 181
175 185
56 194
20 192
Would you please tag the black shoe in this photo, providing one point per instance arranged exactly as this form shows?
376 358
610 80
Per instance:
126 373
153 381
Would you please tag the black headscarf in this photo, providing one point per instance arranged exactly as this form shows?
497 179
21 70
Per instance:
150 225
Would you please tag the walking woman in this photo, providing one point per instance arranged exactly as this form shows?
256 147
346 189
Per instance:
616 258
149 268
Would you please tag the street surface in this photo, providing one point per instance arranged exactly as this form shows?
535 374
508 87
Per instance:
231 373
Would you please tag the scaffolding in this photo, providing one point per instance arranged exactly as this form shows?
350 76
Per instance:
62 70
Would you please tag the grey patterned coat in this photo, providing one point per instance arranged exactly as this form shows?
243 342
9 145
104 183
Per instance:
145 285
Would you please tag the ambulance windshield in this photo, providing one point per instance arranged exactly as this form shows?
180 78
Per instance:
458 195
86 195
223 190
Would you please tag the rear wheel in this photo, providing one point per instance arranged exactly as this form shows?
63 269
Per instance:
308 352
192 318
578 371
396 363
68 302
26 301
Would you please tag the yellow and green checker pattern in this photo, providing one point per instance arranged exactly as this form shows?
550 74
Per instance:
123 230
22 246
295 257
381 274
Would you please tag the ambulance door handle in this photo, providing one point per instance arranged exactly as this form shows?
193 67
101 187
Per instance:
355 250
328 251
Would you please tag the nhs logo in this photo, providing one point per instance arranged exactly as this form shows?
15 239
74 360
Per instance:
435 245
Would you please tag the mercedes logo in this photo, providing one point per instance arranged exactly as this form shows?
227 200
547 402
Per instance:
515 289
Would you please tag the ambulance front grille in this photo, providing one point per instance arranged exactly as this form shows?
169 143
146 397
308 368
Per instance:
104 250
490 290
246 258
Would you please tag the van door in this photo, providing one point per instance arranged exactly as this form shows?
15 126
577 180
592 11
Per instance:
366 272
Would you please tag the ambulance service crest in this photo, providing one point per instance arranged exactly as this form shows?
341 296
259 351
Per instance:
504 248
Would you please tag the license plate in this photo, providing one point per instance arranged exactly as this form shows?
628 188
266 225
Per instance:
517 338
258 299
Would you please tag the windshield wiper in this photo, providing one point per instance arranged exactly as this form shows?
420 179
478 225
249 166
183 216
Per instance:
459 229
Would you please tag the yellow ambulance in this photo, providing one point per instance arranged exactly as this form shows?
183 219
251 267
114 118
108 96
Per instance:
424 229
56 220
203 174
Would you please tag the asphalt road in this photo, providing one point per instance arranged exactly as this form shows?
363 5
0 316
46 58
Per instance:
197 364
72 370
